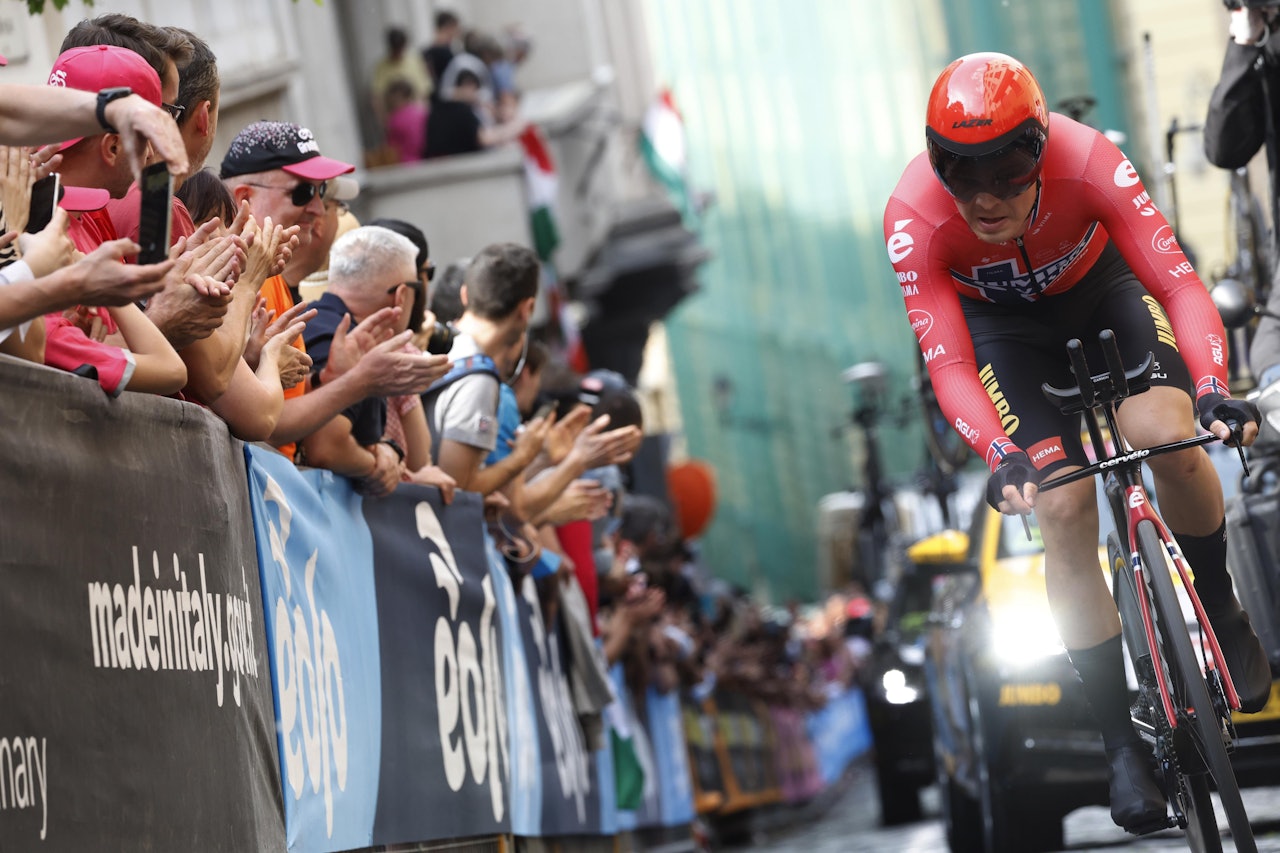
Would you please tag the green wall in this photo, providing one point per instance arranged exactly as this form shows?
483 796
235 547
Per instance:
800 118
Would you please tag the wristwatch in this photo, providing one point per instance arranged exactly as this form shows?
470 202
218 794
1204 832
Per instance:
106 96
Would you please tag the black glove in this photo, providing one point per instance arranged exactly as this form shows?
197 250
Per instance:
1234 413
1015 470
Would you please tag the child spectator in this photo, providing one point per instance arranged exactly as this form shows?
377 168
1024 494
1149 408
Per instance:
406 123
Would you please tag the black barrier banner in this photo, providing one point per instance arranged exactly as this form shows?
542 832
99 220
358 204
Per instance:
135 703
445 759
570 781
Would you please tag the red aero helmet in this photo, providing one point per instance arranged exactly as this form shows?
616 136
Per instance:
987 126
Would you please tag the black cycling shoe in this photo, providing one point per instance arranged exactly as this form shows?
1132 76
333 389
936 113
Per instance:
1137 804
1246 659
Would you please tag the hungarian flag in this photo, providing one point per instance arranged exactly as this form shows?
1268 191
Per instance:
541 183
662 144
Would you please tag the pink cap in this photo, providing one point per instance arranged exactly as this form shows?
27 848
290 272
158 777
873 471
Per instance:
105 66
83 198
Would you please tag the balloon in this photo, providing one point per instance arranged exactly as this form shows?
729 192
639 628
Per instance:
692 489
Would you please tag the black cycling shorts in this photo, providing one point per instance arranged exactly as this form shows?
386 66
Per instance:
1020 347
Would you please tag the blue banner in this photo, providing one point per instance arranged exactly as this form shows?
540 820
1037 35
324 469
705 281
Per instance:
840 733
671 757
316 562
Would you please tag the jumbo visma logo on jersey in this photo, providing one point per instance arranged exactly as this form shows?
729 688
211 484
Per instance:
1005 283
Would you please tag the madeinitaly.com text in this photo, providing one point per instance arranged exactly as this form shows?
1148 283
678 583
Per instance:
157 624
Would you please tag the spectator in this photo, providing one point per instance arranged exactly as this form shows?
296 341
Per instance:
461 123
1235 129
439 53
446 296
399 66
499 292
370 268
199 94
206 197
277 168
308 272
405 122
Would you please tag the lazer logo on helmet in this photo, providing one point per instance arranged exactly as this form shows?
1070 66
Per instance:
972 122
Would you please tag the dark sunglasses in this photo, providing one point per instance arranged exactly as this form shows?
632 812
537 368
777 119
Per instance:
429 270
300 194
175 110
415 286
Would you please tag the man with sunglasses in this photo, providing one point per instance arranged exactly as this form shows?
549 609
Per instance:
278 169
1013 233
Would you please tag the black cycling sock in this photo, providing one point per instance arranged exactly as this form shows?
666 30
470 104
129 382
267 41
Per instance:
1207 556
1101 671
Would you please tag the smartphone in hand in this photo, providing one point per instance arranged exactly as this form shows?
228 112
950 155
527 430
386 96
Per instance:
546 409
156 217
45 195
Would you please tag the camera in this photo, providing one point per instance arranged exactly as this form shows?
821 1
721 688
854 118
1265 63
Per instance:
441 339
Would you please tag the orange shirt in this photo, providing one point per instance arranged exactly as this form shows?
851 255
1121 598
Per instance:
276 291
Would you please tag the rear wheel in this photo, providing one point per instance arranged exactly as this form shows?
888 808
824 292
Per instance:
1200 743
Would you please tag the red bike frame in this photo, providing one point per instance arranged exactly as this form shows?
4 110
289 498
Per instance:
1139 509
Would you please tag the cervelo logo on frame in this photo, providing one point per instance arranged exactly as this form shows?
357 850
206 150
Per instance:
309 692
921 322
1126 175
1164 241
900 243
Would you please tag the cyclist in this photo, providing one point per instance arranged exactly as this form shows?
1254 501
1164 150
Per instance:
1009 240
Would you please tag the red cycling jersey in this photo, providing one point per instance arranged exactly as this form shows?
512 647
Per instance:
1089 191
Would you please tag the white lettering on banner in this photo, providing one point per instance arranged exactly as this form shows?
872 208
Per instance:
573 767
900 243
470 707
147 625
1126 175
23 766
313 706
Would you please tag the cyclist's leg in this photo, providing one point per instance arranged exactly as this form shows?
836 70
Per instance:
1016 351
1187 484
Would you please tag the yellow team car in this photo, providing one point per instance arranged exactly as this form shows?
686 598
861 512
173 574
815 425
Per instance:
1015 746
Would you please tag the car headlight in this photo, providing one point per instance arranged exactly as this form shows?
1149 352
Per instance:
896 689
1023 635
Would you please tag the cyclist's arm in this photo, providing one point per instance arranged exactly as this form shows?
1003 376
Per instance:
1145 239
933 310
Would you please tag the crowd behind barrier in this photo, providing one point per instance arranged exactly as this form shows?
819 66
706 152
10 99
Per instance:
415 693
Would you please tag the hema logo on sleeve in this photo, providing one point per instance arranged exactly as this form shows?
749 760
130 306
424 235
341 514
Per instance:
154 623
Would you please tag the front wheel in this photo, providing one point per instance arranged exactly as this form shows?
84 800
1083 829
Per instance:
1200 736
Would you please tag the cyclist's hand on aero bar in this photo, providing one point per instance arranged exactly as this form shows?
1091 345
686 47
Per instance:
1012 486
1233 421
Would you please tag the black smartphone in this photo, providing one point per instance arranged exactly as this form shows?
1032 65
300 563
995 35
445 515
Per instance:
156 217
45 195
546 409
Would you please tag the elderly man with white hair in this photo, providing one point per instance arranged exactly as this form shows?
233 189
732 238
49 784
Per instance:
370 268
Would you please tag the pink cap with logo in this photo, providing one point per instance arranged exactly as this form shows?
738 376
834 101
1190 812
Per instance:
105 66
